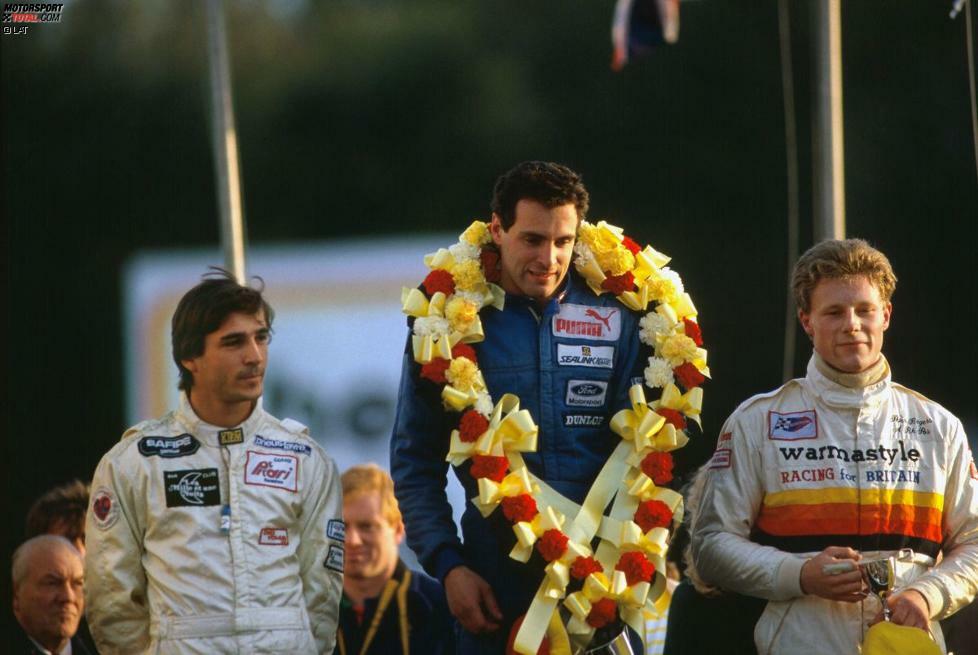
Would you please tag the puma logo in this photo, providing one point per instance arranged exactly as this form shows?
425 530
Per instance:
593 313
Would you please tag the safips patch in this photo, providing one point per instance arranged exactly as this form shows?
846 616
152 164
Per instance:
167 447
792 426
336 530
230 437
192 488
334 558
105 508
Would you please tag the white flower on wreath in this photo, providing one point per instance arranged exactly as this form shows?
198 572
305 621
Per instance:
473 297
653 325
583 254
483 404
673 277
431 326
658 374
463 251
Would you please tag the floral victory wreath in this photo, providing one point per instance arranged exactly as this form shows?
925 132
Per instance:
625 575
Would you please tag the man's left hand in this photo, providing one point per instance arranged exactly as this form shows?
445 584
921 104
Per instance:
909 608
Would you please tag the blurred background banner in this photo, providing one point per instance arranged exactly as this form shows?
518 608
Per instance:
390 119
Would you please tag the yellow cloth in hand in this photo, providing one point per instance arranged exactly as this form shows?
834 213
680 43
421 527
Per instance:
886 638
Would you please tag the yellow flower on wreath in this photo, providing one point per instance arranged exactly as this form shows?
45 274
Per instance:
468 275
463 374
461 313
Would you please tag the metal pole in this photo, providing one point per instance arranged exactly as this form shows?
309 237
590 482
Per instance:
829 166
226 164
791 166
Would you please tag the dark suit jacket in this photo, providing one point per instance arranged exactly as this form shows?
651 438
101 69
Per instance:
78 646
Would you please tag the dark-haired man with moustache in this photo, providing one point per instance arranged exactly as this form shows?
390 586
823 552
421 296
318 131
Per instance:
218 527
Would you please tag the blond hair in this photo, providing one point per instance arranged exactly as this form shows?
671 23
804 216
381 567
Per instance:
833 259
368 478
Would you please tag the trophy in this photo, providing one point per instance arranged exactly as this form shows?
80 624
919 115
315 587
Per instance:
610 640
880 574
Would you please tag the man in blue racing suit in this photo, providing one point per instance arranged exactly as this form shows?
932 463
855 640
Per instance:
568 354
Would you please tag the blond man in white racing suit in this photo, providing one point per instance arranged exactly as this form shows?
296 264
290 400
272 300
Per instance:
838 466
217 528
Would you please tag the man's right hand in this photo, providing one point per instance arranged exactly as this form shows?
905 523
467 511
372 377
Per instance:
471 600
846 587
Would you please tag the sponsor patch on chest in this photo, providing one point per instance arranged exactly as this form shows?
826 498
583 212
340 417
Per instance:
592 356
334 558
268 470
230 437
584 420
584 322
192 488
278 444
792 426
273 537
168 447
586 393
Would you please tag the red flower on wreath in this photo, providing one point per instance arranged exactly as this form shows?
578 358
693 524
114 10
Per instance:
693 331
602 613
658 466
618 284
488 466
489 257
632 246
636 567
552 545
466 351
472 426
672 416
653 514
435 370
688 375
585 566
439 280
519 508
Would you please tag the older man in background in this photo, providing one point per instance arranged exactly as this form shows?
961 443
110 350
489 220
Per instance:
48 575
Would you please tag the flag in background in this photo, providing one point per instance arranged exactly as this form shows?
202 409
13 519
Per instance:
640 25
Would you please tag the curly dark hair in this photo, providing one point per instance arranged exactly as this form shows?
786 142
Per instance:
63 506
204 308
548 183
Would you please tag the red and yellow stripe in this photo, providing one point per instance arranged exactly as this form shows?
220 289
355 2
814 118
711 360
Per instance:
846 510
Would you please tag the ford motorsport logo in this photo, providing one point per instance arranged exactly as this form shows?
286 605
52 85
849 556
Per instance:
586 393
191 488
168 447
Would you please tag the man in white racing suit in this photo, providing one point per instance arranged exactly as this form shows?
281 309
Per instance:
838 466
217 528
